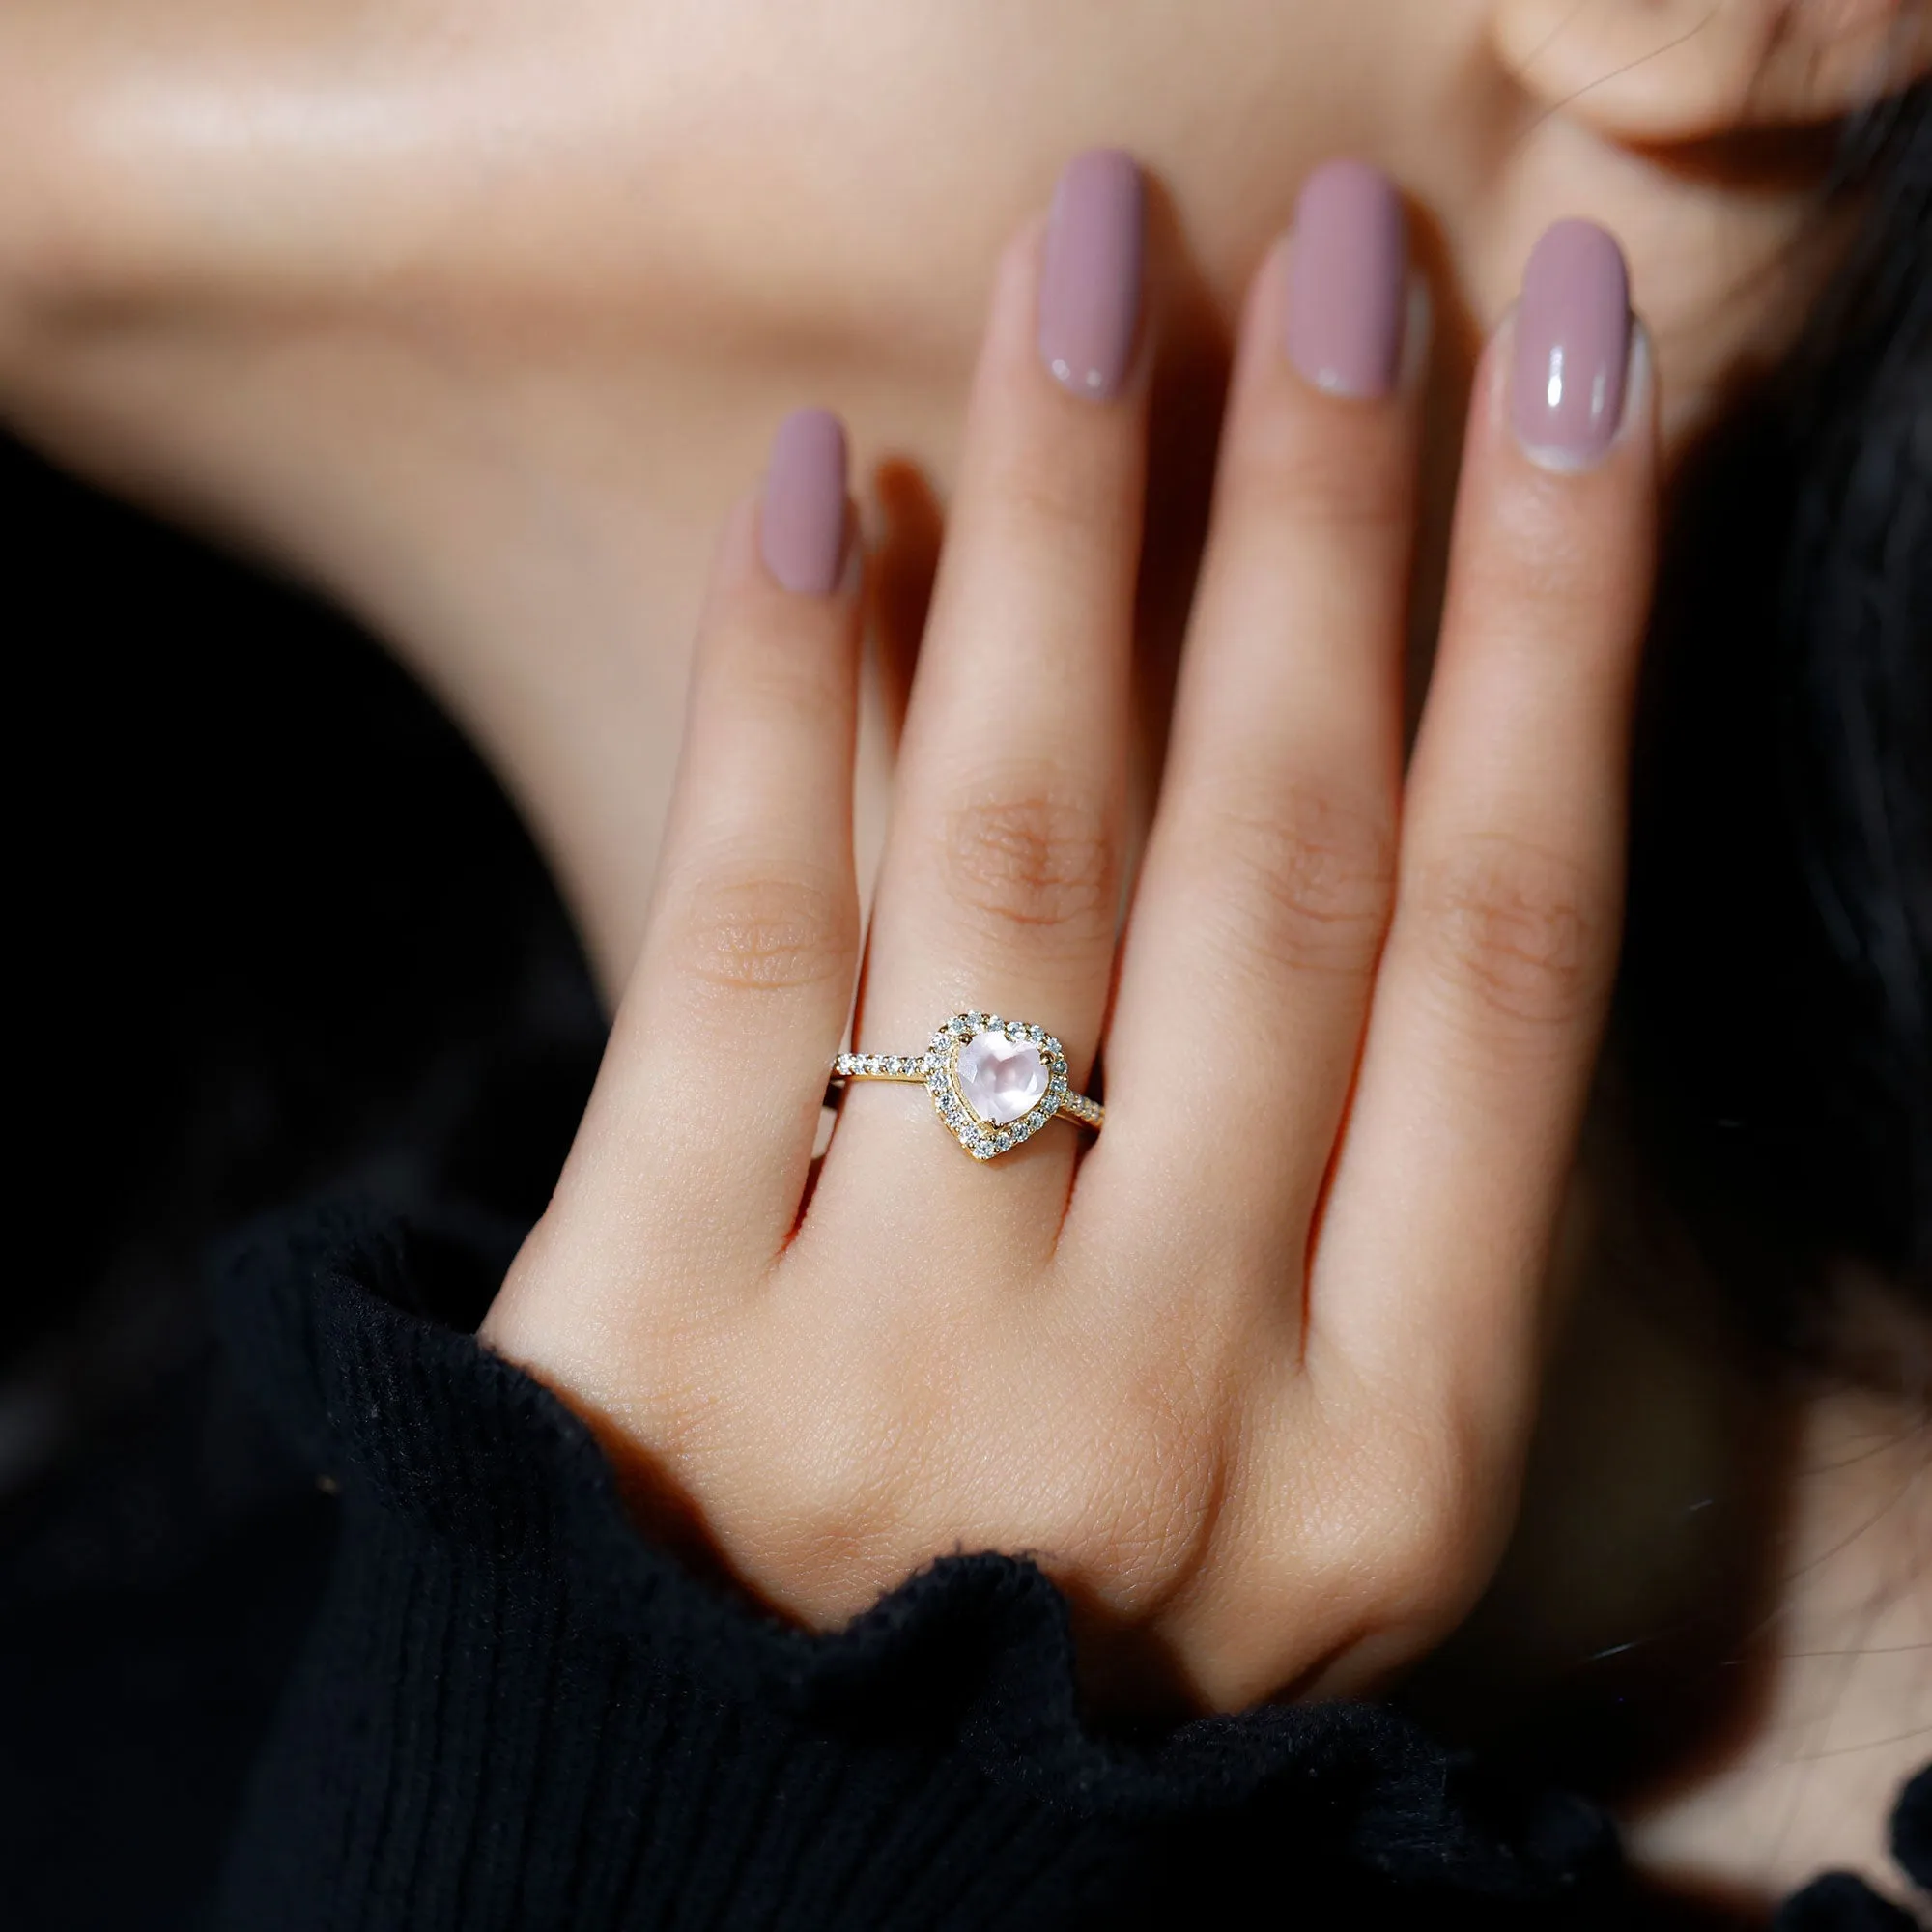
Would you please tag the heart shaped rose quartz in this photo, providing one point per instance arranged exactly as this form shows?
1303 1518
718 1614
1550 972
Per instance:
1002 1080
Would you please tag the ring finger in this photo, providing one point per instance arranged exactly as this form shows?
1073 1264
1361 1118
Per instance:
999 890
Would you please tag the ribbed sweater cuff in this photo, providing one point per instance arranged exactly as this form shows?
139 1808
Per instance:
515 1711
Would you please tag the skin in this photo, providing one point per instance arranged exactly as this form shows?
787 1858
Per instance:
479 318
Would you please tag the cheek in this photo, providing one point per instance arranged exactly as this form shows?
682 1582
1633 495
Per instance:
1727 281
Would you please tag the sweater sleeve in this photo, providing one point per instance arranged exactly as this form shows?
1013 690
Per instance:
514 1711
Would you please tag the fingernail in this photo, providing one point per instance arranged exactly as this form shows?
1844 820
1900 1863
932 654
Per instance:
1347 288
1573 336
801 517
1090 283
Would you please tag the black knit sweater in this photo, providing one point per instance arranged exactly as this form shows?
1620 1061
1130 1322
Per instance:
512 1712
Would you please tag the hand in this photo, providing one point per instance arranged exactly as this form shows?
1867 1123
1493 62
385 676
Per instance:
1251 1374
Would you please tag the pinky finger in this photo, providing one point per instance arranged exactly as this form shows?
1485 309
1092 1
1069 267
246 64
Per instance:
698 1140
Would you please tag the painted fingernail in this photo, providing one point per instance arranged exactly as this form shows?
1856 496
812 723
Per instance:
1347 288
801 517
1090 283
1573 338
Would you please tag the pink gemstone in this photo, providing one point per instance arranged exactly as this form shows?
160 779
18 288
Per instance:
1001 1079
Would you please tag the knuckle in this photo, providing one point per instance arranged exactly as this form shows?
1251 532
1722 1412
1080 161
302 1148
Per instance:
1049 495
762 932
1286 476
1514 928
1033 856
1422 1543
1538 549
1298 878
1426 1552
839 1521
1152 1513
755 667
1542 574
1054 500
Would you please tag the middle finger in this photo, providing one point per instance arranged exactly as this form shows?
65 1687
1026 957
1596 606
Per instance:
1267 881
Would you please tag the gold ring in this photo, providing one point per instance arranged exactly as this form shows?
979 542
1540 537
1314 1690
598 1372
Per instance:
994 1083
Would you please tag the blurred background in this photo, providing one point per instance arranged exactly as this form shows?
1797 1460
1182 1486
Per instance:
275 931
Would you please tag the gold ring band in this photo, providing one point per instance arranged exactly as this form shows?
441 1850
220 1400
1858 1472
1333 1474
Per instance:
1011 1083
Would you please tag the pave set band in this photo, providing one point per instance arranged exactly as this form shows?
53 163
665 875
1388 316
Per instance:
994 1083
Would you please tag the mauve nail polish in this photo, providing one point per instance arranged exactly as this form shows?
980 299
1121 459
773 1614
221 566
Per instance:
1090 281
1348 289
801 516
1572 340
